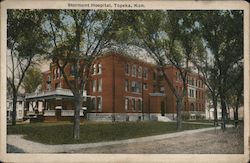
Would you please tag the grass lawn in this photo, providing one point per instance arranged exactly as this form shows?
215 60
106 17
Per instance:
61 133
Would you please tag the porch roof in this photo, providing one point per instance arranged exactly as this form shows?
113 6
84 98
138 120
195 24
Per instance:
57 93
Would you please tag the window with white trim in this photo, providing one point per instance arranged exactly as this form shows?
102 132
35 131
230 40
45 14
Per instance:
99 68
99 85
145 86
94 69
126 85
133 104
134 70
126 104
94 85
127 68
145 73
136 87
139 72
139 103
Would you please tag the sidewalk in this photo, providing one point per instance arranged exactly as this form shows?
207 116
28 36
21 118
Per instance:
34 147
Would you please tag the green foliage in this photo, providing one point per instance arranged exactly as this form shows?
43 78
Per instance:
199 116
185 116
32 79
56 133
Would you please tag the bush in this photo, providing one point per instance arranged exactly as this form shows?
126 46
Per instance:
200 117
185 115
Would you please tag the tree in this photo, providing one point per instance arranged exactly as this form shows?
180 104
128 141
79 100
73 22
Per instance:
26 42
235 95
32 79
223 33
78 37
205 66
169 37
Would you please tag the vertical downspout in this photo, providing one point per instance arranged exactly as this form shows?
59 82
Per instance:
113 78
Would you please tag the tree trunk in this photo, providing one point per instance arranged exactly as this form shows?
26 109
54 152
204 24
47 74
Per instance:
179 108
14 109
215 112
78 105
236 115
224 113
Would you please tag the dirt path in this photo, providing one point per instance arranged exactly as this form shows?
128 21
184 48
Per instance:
210 142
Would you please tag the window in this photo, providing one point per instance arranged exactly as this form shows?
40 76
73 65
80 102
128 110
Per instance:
133 89
145 73
99 68
196 94
93 103
127 69
94 85
126 85
126 104
99 103
139 71
191 93
136 87
94 69
133 104
145 86
139 102
134 70
99 85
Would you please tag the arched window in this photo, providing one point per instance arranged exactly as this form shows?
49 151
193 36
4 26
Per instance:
99 68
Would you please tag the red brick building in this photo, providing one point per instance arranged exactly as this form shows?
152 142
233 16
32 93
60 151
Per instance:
120 88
